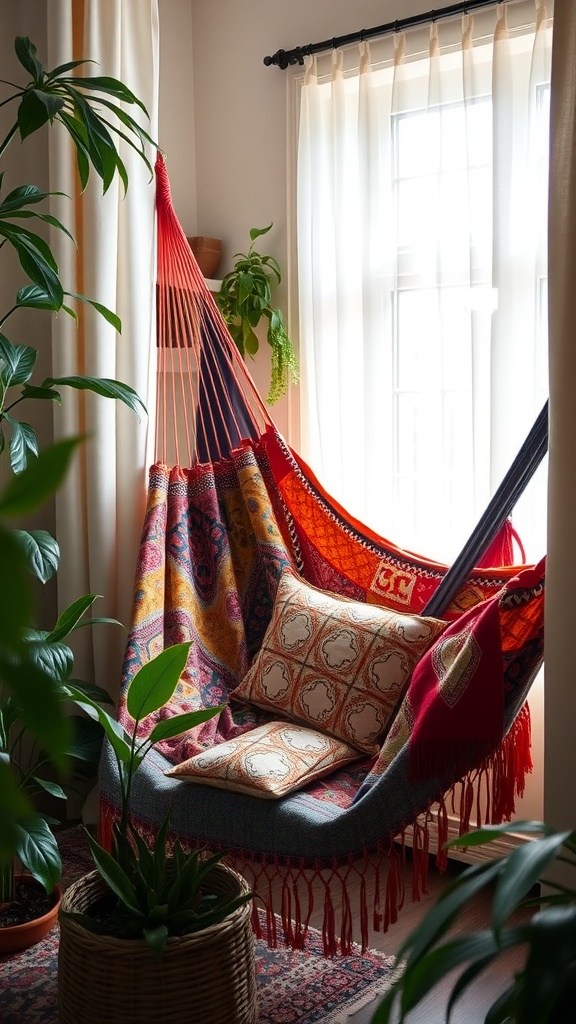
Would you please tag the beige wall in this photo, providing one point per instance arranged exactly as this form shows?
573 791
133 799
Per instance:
240 121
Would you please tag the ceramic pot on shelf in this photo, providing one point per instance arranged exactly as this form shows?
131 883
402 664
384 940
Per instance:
208 253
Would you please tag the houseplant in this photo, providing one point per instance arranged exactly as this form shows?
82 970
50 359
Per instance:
245 297
178 924
28 911
544 990
34 664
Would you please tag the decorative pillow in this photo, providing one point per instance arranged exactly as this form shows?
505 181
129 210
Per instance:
269 761
335 664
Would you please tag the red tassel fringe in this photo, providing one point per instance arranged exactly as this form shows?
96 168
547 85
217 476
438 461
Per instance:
287 890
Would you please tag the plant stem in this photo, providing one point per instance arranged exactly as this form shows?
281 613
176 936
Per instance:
9 313
4 145
7 882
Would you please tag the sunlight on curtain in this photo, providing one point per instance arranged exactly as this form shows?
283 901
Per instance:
101 507
421 236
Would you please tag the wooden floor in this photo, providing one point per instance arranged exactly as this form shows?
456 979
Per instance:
475 1003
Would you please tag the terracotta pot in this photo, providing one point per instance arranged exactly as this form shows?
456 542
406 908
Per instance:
208 253
20 936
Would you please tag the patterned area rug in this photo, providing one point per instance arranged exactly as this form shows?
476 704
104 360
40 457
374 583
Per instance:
293 987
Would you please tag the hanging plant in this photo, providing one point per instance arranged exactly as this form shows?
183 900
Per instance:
245 297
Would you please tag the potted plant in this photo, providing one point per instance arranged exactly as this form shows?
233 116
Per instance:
35 664
177 923
245 297
544 990
29 901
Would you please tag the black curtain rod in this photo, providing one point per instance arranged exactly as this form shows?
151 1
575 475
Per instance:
283 58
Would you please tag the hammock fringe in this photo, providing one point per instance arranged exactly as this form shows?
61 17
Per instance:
351 891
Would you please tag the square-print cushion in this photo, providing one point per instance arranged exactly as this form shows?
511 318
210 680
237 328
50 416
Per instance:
269 761
335 664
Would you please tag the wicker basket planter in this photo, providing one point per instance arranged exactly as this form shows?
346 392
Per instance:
204 978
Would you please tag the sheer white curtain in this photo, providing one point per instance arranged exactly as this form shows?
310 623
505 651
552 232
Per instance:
421 237
100 509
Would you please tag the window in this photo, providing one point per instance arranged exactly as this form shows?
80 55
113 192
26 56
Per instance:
421 233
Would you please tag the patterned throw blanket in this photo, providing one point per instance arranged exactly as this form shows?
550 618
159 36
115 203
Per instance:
216 539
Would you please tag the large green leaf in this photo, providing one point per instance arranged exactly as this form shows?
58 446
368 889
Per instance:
39 703
32 114
177 724
54 659
38 850
41 478
41 394
77 133
18 235
41 551
25 195
523 867
257 232
86 743
102 386
16 603
23 443
62 69
19 362
33 297
154 683
14 806
112 318
439 962
441 916
53 788
70 617
107 84
116 734
95 693
45 218
550 964
114 876
35 259
26 54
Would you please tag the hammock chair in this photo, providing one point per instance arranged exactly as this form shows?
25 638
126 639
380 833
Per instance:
219 539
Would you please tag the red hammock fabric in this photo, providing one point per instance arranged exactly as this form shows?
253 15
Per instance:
216 538
457 689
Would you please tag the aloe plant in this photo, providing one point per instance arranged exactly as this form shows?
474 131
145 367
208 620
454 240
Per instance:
34 664
245 297
157 895
543 991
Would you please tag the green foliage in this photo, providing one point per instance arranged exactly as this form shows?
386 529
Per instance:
544 990
157 894
245 297
35 665
34 703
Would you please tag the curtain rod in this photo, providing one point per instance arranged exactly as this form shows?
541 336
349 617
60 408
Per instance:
283 58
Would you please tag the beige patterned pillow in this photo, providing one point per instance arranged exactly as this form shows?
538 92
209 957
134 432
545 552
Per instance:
269 761
334 664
